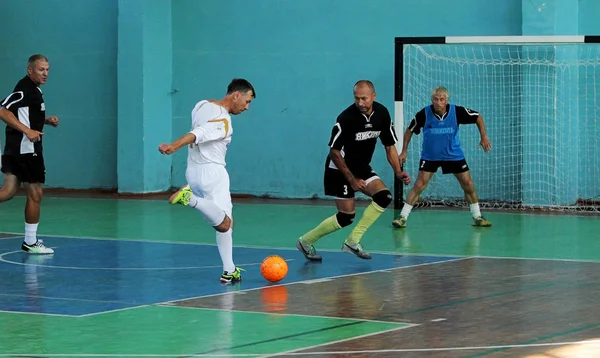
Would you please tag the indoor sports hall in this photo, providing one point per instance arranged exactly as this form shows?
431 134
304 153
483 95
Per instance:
133 276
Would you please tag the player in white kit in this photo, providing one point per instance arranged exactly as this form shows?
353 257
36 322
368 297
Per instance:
208 181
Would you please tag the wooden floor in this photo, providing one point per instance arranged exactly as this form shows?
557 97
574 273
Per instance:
133 278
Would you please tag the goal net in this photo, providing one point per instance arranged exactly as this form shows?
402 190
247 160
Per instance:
540 100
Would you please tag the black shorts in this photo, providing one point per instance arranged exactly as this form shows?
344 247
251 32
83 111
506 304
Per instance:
448 166
28 168
337 185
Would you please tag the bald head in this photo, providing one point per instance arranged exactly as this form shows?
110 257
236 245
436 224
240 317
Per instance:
364 84
364 96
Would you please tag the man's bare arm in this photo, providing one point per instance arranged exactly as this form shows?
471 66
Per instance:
481 126
392 157
9 118
406 139
485 141
182 141
340 163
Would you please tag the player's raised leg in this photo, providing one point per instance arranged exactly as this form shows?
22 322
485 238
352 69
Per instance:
466 183
213 214
9 188
413 195
381 199
181 196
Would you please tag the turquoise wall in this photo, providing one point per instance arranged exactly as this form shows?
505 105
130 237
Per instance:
126 74
304 58
79 38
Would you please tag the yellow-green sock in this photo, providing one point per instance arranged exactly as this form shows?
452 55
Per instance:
327 226
371 213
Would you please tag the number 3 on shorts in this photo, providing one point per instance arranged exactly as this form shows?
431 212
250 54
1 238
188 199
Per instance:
345 189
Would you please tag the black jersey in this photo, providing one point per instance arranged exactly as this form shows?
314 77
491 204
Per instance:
355 135
27 104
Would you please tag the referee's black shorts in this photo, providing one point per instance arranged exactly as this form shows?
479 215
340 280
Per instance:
28 168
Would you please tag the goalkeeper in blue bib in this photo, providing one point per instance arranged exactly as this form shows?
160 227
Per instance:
441 148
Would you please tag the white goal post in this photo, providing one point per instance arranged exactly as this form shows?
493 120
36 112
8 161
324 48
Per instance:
540 100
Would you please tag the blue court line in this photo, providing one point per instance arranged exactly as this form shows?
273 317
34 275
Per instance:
90 276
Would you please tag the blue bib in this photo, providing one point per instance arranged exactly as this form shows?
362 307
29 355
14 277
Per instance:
440 137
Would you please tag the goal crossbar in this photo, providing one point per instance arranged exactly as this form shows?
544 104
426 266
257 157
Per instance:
498 40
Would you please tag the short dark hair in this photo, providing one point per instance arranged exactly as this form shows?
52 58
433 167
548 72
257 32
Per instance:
241 85
34 58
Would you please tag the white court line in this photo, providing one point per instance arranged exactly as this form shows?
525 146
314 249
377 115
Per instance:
167 303
302 282
291 248
291 352
115 239
544 214
11 237
458 258
173 302
76 300
174 242
443 349
112 311
297 353
2 259
38 314
536 259
519 212
65 299
285 248
407 324
330 202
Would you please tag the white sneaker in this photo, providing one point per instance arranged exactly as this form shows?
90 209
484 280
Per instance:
38 248
357 250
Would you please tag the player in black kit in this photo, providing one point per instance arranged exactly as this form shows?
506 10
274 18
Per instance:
348 170
24 113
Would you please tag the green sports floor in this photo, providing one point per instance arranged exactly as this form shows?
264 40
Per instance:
139 278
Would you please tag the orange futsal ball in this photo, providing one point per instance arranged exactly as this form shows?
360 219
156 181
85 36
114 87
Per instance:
274 268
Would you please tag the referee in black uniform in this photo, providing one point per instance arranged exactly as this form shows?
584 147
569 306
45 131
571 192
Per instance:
24 113
348 170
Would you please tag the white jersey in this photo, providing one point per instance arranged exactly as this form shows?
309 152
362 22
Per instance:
211 124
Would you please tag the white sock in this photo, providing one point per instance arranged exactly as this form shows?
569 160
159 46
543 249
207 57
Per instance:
30 233
212 213
225 245
475 210
406 210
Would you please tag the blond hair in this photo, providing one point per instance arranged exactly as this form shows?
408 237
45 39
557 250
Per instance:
440 90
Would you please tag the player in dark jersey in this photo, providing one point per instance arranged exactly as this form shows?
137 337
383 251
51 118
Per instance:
348 170
439 123
24 113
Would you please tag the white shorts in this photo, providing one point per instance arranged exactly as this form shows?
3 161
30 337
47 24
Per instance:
211 182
